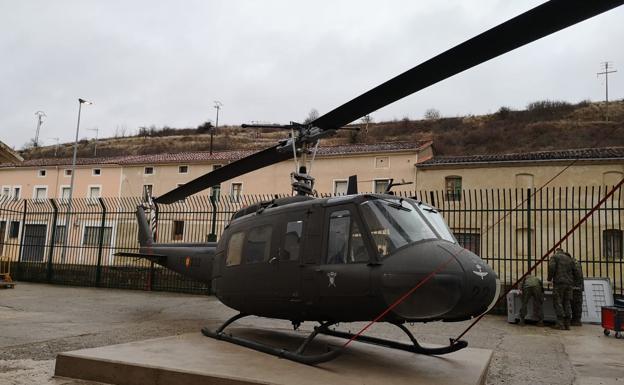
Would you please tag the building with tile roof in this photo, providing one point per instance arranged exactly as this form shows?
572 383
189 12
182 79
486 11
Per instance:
130 175
572 167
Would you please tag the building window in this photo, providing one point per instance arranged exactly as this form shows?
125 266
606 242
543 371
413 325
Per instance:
183 169
65 190
258 244
381 186
40 194
235 249
148 170
91 236
470 241
340 187
524 181
17 192
59 235
6 191
236 192
453 187
97 172
612 244
178 230
14 229
42 173
68 172
94 192
381 162
148 189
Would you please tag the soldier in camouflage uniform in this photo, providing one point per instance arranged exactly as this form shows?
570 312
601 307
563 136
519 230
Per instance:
532 288
562 273
577 295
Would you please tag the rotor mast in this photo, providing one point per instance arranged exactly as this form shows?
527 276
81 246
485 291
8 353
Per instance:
303 143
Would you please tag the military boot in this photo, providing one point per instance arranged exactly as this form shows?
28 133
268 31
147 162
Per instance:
558 326
576 323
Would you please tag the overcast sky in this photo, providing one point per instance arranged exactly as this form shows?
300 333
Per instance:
165 62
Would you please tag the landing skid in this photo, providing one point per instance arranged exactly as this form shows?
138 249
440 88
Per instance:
297 356
415 347
333 352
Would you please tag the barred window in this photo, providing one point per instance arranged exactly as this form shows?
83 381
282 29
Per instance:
453 187
91 236
612 244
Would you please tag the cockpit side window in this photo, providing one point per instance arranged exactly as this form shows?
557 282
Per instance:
345 243
235 249
258 244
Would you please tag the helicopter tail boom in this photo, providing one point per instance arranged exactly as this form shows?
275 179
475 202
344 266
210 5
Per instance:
145 235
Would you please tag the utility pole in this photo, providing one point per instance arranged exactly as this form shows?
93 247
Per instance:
608 69
217 106
97 131
56 146
39 115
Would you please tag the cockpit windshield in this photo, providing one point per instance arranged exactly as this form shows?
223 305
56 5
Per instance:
395 223
436 220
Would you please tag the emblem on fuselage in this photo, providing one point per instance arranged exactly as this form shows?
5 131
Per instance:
480 273
332 278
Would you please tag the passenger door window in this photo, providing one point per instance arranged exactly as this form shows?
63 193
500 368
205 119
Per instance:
292 241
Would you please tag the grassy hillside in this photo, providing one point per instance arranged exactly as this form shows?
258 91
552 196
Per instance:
544 125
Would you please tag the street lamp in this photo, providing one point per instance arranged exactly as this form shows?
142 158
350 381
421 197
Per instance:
73 172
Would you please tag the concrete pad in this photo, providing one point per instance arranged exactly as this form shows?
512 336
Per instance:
196 359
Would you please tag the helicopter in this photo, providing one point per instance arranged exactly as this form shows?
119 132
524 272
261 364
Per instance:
354 257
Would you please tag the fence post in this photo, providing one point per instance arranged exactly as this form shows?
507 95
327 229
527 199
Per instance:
21 246
98 269
529 197
52 240
212 237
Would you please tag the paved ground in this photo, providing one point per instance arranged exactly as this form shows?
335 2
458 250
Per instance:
38 321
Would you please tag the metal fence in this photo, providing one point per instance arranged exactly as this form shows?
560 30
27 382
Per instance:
53 241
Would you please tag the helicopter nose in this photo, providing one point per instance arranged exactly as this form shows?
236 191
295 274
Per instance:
480 289
438 294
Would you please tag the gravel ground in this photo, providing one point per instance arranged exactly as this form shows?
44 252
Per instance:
38 321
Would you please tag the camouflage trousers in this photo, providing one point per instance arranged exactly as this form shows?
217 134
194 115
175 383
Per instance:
562 300
538 299
577 304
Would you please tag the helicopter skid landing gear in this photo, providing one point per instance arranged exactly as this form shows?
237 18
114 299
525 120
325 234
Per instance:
297 356
415 347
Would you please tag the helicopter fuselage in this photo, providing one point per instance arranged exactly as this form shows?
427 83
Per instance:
345 258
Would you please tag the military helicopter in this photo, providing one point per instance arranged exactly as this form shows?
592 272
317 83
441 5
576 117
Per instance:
354 257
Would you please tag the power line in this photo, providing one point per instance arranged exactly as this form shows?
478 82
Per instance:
608 69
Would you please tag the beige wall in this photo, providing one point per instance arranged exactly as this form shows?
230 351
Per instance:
276 179
27 178
496 175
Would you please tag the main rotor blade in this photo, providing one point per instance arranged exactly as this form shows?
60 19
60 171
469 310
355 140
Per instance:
242 166
534 24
